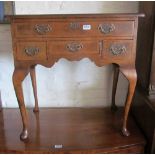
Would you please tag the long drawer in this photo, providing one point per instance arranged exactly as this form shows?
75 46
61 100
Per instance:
74 28
72 47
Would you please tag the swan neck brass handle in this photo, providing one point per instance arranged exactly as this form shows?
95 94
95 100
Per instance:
42 28
106 28
117 49
74 47
31 51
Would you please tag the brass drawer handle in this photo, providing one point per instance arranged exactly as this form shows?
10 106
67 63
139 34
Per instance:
106 28
42 29
74 47
31 51
117 49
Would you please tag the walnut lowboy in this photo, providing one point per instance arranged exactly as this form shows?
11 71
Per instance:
103 38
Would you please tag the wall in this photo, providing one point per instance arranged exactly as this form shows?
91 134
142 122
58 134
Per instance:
66 83
66 7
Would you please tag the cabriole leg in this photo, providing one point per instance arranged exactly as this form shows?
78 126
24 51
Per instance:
18 77
34 85
131 75
115 81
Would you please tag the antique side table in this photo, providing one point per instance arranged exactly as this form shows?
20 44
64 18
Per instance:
103 38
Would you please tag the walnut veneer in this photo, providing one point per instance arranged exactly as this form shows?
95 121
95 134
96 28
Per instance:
103 38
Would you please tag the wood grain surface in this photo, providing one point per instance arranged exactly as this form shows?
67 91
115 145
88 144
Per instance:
74 130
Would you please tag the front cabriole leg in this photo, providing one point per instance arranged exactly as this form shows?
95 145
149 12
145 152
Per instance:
18 77
131 75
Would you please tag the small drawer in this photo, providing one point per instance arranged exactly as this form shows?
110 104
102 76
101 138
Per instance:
74 28
31 50
73 48
118 50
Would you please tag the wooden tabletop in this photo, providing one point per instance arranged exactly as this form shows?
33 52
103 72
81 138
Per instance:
63 16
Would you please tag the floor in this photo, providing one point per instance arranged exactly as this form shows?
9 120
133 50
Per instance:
69 130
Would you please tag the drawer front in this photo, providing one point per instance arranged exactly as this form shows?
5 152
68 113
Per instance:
118 50
73 49
31 51
74 29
